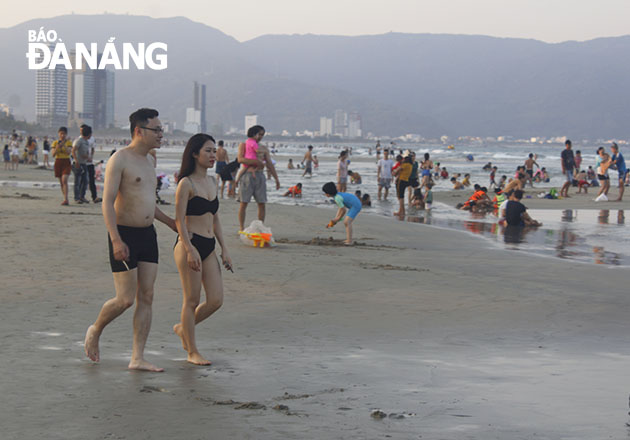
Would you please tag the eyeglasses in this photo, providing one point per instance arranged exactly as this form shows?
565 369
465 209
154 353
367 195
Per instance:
157 130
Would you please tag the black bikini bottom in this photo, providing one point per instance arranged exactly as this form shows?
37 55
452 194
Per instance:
204 245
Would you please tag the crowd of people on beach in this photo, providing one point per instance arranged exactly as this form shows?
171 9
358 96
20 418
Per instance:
130 206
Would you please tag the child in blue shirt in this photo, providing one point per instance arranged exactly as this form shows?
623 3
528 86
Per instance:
345 202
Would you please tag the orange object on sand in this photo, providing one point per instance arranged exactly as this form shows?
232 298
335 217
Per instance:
259 239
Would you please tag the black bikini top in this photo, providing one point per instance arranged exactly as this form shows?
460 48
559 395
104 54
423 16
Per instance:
199 205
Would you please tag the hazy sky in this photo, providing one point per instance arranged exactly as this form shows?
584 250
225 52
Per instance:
546 20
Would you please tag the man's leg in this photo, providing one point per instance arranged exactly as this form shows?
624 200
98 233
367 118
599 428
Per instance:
621 188
84 180
242 209
76 172
126 284
92 182
147 272
261 212
379 192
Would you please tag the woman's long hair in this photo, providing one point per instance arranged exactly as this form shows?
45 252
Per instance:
193 146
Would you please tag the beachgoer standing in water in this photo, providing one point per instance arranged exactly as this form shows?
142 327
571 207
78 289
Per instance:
308 158
619 162
568 163
222 161
384 174
197 218
129 209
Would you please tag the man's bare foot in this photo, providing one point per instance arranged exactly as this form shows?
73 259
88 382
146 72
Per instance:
143 365
177 328
91 344
618 200
197 359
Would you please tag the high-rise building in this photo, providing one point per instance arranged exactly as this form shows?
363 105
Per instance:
354 125
251 119
90 96
51 97
193 120
340 120
199 103
325 126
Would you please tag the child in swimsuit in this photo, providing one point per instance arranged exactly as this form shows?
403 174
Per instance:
347 203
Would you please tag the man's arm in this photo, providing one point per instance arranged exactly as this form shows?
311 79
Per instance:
271 168
113 177
75 150
241 157
168 221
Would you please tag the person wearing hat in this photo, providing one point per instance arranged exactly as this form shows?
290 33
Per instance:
619 162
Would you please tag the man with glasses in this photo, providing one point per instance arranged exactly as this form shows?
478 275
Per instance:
129 209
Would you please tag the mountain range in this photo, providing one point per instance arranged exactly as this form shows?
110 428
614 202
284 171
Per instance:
427 84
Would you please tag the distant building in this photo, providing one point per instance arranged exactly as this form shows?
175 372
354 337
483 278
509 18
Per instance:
193 121
340 120
354 125
199 103
51 97
90 96
325 126
4 108
251 119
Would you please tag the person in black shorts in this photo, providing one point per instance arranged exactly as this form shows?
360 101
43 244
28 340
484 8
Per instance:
130 182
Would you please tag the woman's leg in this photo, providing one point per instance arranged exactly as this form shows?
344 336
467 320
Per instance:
191 286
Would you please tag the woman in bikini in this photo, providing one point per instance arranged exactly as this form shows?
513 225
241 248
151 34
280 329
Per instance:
197 218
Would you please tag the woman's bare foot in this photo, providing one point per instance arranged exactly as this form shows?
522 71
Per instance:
197 359
177 328
143 365
91 344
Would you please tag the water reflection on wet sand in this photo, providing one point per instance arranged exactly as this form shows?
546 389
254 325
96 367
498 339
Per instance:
583 235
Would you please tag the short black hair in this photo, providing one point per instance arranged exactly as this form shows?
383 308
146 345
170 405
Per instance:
86 130
141 117
518 194
64 129
567 142
254 130
330 188
220 143
310 147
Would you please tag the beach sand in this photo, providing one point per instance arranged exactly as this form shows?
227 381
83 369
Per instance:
448 337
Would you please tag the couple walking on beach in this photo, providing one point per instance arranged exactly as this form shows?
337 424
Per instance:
129 209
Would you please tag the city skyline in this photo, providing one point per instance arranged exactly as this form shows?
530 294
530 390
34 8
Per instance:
553 22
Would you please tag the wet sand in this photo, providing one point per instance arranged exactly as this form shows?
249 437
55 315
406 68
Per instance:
447 337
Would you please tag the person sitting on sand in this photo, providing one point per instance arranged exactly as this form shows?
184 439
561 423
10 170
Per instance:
487 167
428 197
294 191
290 166
499 198
478 202
515 213
347 203
417 200
582 182
456 184
517 183
355 178
366 200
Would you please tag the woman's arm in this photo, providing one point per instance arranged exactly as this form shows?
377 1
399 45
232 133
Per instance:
181 203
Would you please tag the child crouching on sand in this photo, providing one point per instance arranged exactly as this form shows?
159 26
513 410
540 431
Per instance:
345 202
